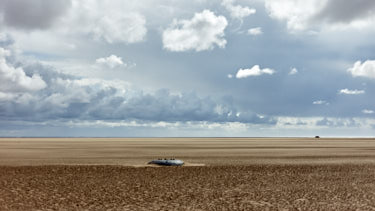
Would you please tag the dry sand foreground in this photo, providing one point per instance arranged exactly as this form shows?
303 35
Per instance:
239 174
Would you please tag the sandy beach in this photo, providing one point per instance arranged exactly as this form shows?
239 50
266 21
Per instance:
221 174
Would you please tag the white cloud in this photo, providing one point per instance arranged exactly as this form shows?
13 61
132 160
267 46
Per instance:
113 21
255 31
4 53
365 69
120 28
14 79
367 111
320 102
254 71
202 32
293 71
111 61
302 15
230 76
237 11
295 12
351 92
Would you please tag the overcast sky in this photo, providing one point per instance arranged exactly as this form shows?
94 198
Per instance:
187 68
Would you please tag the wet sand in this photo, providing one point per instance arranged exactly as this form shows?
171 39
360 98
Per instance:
222 174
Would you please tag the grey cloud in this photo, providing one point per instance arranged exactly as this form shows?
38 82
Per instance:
13 79
344 122
71 98
36 14
345 11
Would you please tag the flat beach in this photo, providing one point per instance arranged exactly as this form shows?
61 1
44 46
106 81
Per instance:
220 173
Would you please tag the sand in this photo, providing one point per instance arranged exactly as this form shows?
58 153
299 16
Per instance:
207 151
222 174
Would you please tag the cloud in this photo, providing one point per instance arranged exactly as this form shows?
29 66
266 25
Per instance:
69 98
293 71
365 69
14 79
230 76
255 31
351 92
338 122
120 28
345 11
302 15
320 102
254 71
202 32
237 11
295 12
367 111
111 61
36 14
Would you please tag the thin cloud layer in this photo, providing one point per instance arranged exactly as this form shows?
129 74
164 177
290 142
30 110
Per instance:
320 102
367 111
202 32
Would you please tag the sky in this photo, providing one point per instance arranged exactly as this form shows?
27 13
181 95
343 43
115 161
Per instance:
158 68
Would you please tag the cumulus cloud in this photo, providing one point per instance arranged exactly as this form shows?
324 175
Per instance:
237 11
111 61
254 71
293 71
36 14
367 111
120 28
202 32
255 31
69 98
296 13
301 15
365 69
351 92
14 79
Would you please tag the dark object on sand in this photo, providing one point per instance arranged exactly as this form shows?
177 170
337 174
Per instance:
167 162
317 137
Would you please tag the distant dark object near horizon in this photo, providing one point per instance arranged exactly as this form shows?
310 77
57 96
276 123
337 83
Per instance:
167 162
317 136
